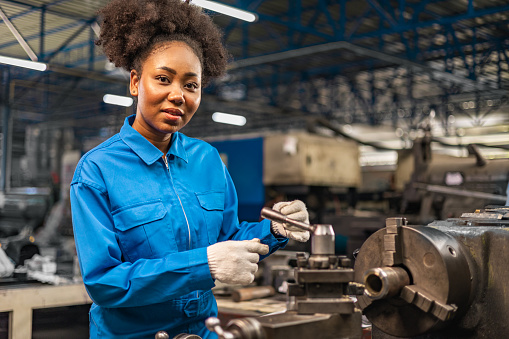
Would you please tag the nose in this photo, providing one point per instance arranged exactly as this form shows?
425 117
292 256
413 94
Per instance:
176 96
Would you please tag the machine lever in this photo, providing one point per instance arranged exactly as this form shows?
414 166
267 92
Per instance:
214 325
242 328
272 215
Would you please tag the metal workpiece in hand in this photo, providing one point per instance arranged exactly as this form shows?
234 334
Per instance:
272 215
322 237
294 210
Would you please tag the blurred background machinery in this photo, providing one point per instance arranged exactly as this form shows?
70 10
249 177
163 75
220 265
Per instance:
437 186
22 213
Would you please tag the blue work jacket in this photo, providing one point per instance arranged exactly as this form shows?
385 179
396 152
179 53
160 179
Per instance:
142 224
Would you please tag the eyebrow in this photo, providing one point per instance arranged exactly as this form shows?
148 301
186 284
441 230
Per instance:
172 71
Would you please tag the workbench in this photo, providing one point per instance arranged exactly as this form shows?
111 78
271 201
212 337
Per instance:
229 309
20 301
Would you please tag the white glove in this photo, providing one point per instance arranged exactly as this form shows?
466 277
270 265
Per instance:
295 210
234 262
6 265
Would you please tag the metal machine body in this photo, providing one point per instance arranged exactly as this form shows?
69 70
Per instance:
447 279
22 211
319 305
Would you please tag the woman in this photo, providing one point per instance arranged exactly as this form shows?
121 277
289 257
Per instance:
154 211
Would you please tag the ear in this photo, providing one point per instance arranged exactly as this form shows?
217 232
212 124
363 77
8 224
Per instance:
133 83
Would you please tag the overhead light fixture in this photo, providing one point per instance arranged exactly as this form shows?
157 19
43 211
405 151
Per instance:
38 66
231 119
118 100
227 10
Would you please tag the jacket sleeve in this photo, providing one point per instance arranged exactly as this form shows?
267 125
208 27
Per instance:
233 230
109 280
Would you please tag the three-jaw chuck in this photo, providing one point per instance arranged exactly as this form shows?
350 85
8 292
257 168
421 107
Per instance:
447 279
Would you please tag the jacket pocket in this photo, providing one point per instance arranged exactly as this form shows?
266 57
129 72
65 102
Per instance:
139 227
212 204
133 216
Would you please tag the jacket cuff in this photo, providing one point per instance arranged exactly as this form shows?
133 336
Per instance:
200 278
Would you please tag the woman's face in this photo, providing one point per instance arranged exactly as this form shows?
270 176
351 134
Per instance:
168 90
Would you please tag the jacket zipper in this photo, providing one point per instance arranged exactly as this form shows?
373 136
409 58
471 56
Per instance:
180 201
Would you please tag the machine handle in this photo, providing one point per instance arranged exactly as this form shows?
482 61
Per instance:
242 328
214 325
165 335
272 215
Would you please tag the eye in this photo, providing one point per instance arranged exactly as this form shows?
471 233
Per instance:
164 79
192 86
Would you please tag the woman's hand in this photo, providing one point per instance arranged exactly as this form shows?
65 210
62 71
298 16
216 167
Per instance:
295 210
235 262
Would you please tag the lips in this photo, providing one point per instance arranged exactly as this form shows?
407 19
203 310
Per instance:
173 111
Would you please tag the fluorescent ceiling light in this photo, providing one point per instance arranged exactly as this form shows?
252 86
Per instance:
118 100
228 10
38 66
231 119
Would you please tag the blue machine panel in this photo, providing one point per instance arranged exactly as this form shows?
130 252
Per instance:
244 159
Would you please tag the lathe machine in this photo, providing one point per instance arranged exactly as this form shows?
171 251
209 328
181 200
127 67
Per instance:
447 279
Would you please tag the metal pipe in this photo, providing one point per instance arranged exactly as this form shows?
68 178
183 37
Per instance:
249 293
6 116
459 192
359 50
270 214
385 282
18 36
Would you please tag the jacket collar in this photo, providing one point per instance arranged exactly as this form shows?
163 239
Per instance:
144 149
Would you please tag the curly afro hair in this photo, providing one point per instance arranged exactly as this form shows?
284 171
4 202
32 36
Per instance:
131 28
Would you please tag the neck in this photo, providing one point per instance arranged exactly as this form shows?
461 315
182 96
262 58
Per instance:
163 146
162 142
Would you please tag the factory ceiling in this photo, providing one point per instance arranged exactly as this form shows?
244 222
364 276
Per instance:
346 65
